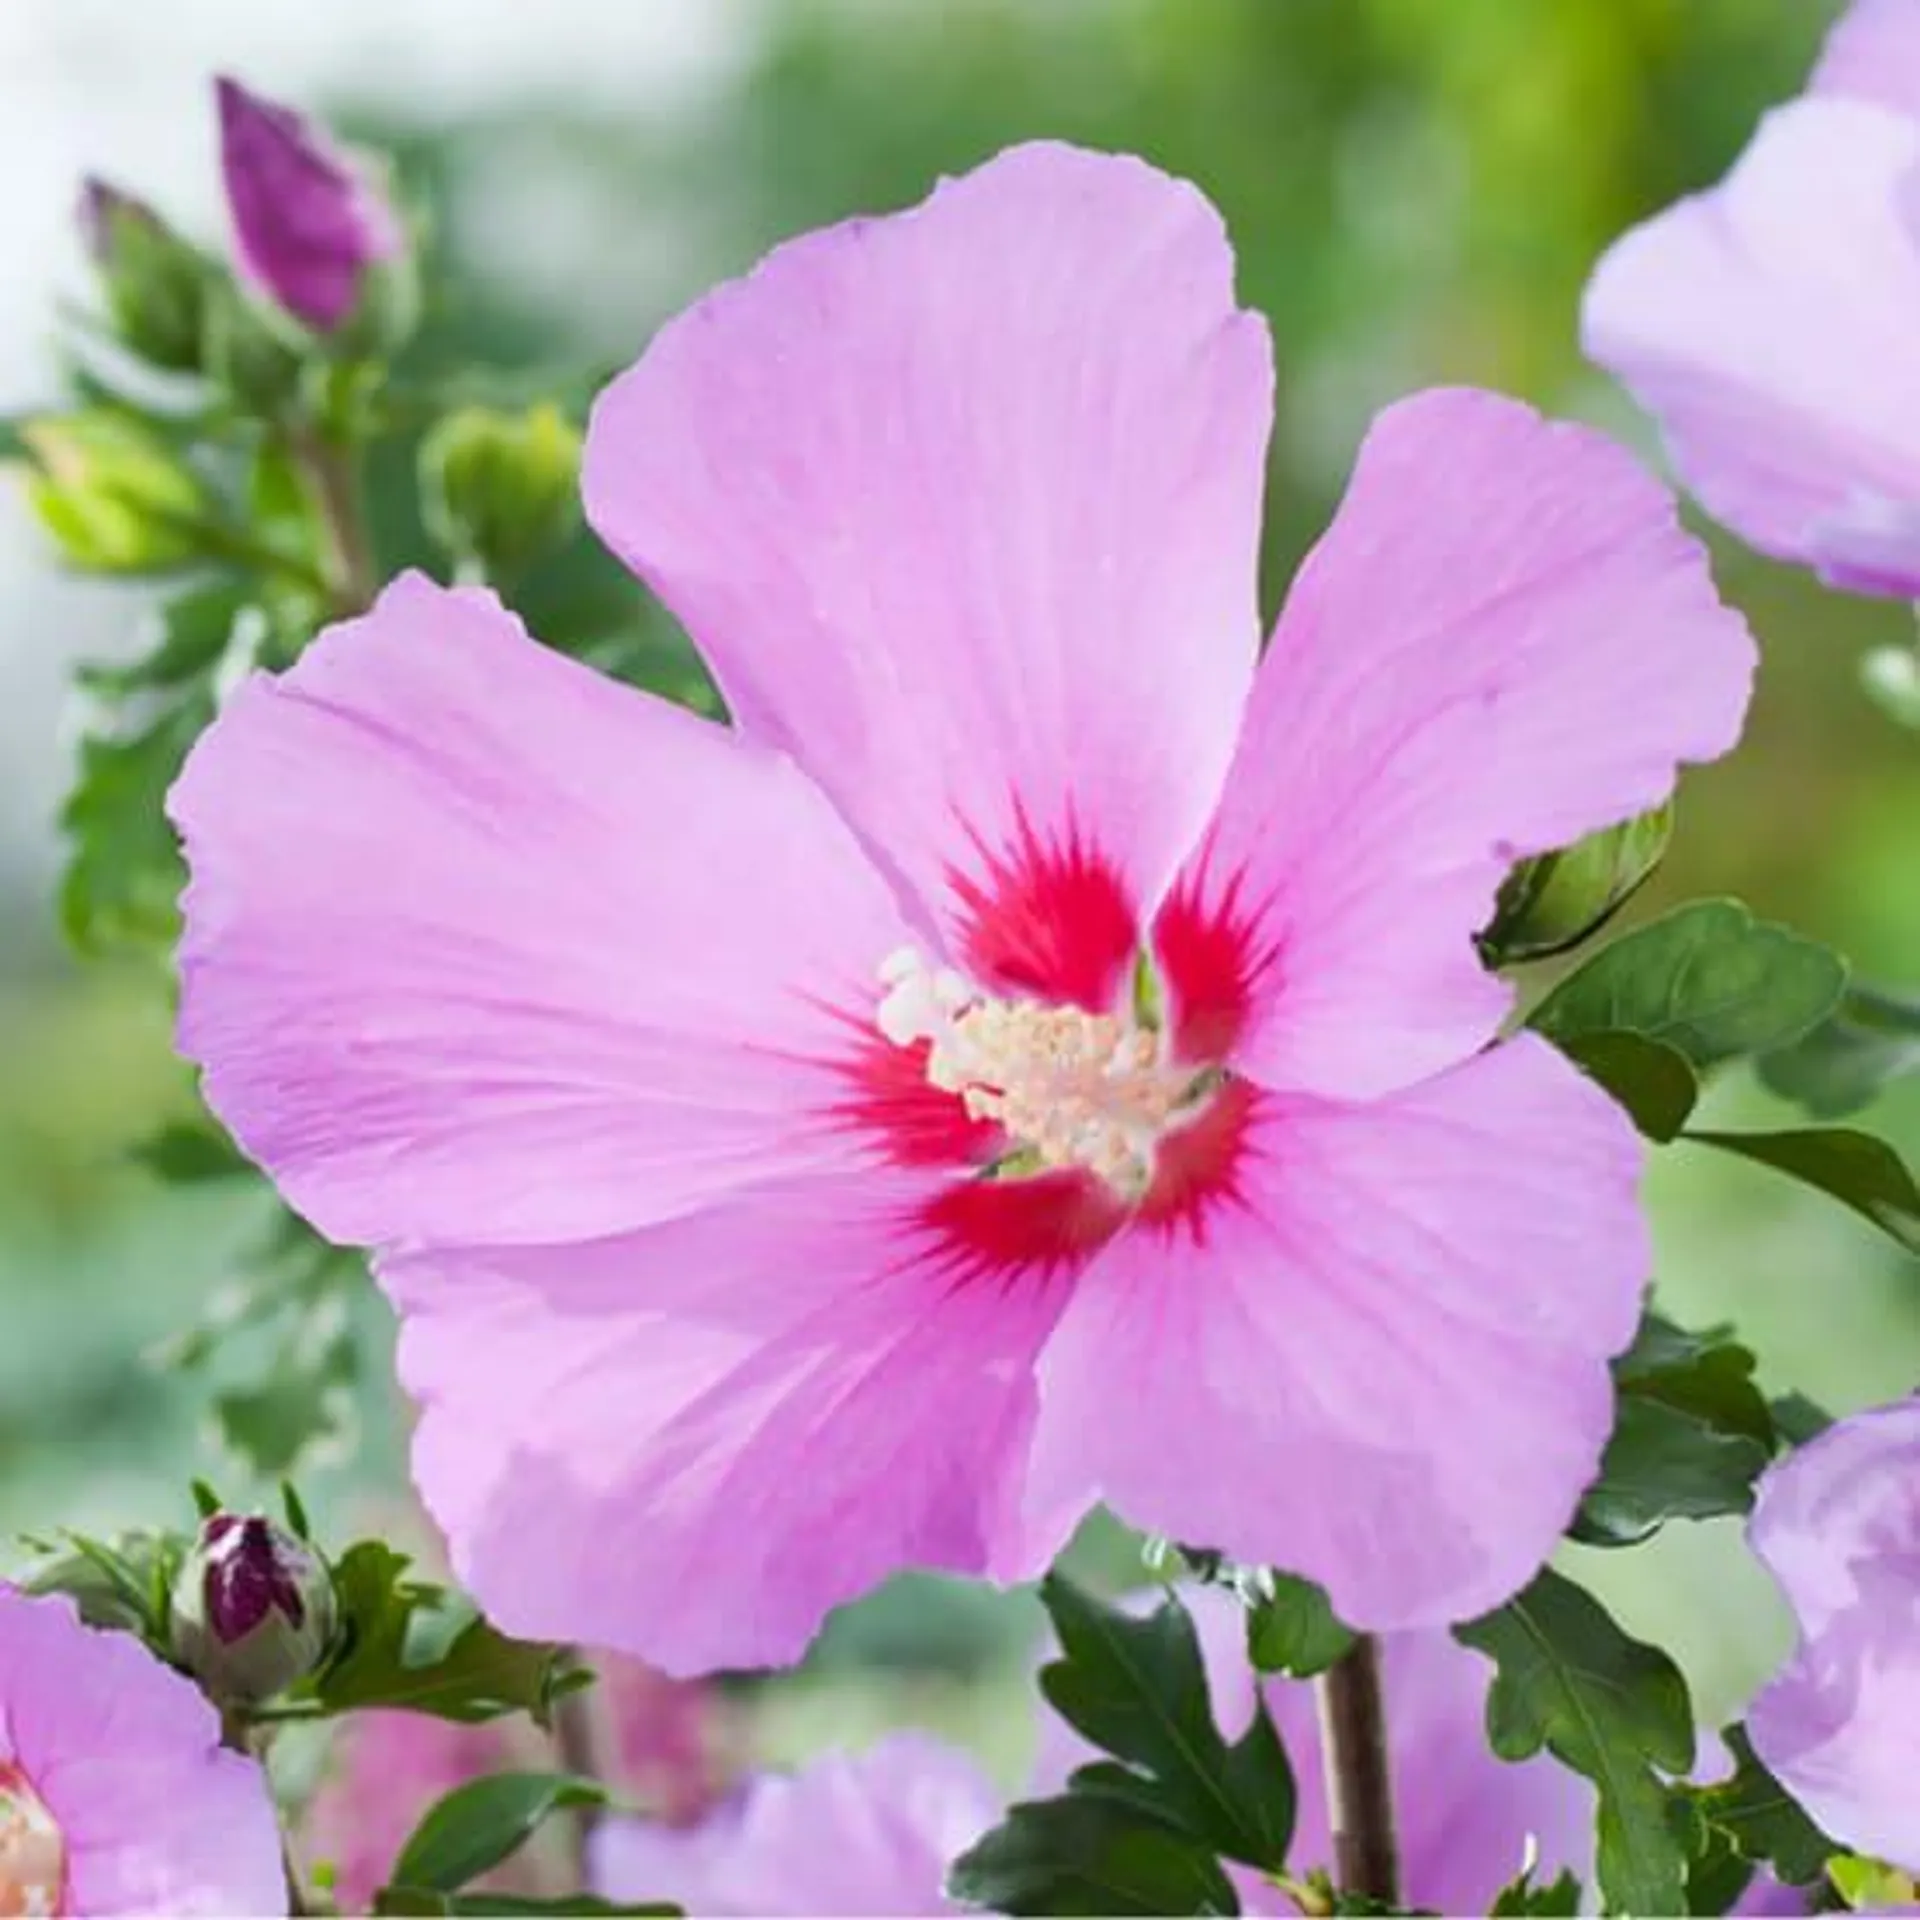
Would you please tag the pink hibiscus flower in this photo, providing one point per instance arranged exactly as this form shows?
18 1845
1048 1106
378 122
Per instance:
1029 1057
850 1833
116 1795
1838 1525
1768 322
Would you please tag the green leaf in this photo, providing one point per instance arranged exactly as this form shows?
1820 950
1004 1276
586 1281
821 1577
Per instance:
1557 1898
303 1405
1797 1419
1086 1854
423 1900
479 1824
1653 1081
124 1583
1708 980
1857 1169
406 1643
1660 1465
1293 1629
1612 1708
1552 902
186 1153
123 871
1765 1822
1844 1062
1718 1873
1692 1435
1137 1689
1709 1374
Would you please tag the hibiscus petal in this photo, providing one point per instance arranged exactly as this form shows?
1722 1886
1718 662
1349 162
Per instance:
1873 53
1767 324
480 945
962 506
1502 642
691 1442
1838 1525
126 1755
851 1833
1382 1363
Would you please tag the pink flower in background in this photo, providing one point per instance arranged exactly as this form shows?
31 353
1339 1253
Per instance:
385 1768
1768 323
1465 1816
1031 1057
663 1744
865 1833
308 221
116 1795
1838 1525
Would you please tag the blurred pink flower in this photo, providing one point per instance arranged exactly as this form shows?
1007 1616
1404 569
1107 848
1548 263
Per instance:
1768 322
1030 1057
385 1768
116 1796
660 1743
1838 1525
850 1833
308 220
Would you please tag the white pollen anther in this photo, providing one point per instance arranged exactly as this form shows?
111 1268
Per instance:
1069 1088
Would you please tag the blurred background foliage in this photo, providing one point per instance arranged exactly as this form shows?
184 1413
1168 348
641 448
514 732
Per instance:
1416 192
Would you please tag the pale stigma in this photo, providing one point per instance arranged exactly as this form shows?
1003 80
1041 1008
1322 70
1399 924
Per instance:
1070 1088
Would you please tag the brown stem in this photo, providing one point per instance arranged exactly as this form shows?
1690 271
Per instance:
577 1741
1353 1743
333 473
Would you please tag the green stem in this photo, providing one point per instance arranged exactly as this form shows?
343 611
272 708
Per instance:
333 472
1353 1743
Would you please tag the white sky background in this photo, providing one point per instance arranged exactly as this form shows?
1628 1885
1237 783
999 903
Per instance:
119 88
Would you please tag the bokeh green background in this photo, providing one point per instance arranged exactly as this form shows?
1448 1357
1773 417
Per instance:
1417 189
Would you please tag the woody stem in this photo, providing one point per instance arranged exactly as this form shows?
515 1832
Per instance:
1353 1744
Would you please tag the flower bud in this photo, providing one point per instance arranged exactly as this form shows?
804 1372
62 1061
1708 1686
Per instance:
155 282
252 1609
313 229
501 489
112 493
1556 900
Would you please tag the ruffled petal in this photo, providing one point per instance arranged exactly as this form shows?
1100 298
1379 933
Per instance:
850 1833
1837 1523
1502 642
1382 1362
962 506
157 1817
482 946
1767 325
1873 53
692 1442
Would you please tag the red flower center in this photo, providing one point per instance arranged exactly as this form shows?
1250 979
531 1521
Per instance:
1074 1081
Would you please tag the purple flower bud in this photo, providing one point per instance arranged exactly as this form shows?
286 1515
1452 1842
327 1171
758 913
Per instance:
155 282
309 223
105 213
252 1610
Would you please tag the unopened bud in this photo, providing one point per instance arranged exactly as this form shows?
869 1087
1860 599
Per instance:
1556 900
314 229
112 493
501 489
253 1609
155 282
